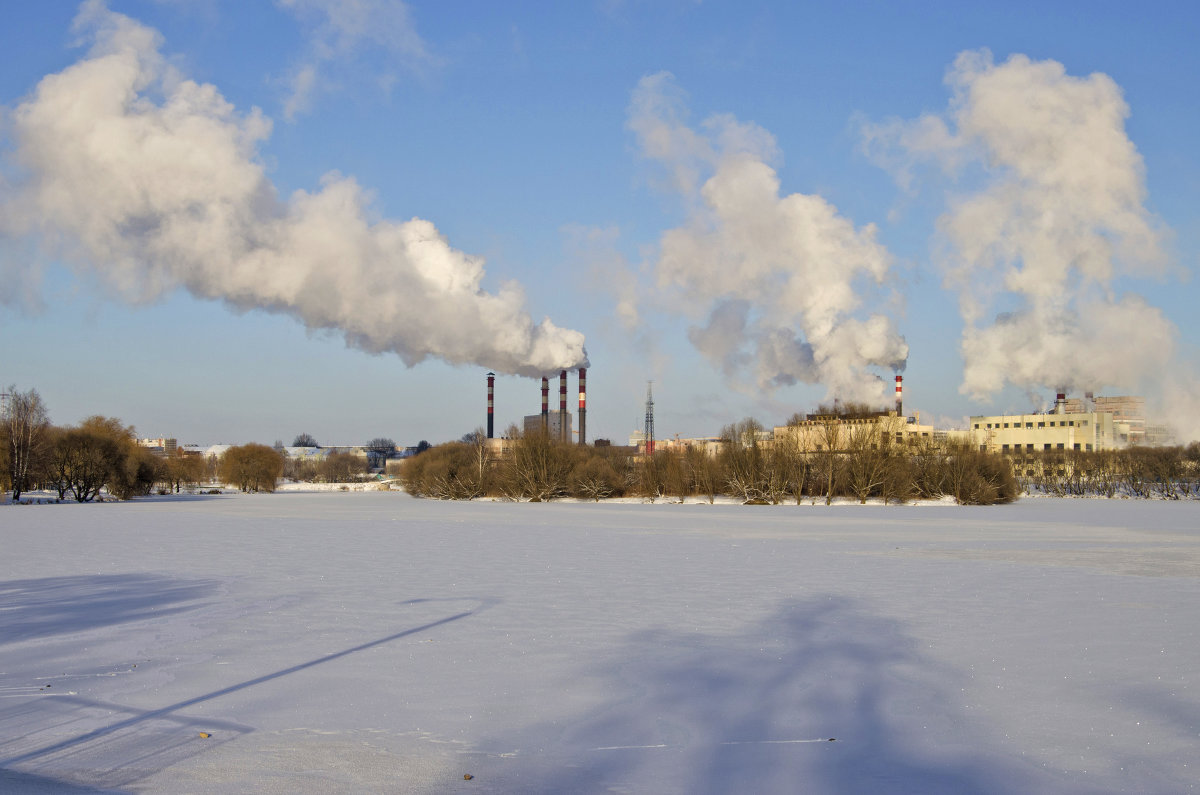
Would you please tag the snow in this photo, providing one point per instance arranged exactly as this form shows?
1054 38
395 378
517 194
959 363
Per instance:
367 641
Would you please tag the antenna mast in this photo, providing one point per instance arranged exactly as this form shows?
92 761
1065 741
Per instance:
649 432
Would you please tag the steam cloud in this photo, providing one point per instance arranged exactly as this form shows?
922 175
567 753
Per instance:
779 278
152 181
1058 216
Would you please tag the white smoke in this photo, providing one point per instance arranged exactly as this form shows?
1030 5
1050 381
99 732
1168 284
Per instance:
346 29
780 279
1055 213
152 181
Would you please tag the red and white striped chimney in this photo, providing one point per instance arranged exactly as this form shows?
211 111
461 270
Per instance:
545 404
583 405
899 396
562 405
491 402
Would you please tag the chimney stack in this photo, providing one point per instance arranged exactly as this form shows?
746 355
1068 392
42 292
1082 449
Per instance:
1060 403
562 405
545 404
899 396
583 405
491 402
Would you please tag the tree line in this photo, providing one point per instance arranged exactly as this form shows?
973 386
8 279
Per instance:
101 455
747 467
1170 473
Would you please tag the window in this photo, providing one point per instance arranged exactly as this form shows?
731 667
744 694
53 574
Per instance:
1046 446
977 426
1006 425
1004 447
1071 423
1041 425
1077 445
1029 447
1060 445
1029 425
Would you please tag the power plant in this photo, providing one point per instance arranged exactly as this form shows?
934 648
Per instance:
557 425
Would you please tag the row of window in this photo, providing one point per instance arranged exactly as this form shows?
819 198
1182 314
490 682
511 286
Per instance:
1005 448
1053 423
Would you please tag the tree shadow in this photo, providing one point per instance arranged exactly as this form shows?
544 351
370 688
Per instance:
822 697
83 742
49 606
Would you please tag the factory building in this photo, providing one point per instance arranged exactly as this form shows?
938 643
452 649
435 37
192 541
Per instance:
1128 410
840 432
556 422
1057 430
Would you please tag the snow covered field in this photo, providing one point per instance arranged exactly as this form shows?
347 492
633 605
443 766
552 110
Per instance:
370 642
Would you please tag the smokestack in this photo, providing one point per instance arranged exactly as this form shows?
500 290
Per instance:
1060 403
491 402
562 405
899 396
583 405
545 404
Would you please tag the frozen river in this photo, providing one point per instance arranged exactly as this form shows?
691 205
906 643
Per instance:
370 642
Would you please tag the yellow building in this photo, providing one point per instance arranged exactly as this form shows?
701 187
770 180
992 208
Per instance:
1013 433
818 432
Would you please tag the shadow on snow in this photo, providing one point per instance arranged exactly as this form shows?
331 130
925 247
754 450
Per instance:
755 712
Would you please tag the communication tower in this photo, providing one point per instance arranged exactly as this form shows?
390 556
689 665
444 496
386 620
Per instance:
650 418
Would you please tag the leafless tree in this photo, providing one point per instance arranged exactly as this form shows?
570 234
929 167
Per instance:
867 459
26 425
251 467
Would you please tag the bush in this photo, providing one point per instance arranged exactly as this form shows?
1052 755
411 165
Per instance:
252 467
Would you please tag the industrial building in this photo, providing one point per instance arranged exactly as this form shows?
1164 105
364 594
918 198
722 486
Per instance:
1084 431
840 432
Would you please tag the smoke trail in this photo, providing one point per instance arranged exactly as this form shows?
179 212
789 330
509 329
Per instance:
152 181
1059 214
779 278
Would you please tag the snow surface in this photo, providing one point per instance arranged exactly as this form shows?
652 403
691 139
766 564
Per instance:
370 642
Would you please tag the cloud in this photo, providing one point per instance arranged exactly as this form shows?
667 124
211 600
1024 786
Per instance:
152 181
781 279
344 31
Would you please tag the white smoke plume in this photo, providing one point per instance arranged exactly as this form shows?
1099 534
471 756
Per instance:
1055 212
152 181
780 278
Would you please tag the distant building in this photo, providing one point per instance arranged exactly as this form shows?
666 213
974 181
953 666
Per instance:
162 446
1059 430
817 432
1127 410
533 424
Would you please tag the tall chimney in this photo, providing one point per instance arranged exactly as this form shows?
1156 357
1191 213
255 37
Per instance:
1060 403
583 405
899 396
545 404
562 405
491 402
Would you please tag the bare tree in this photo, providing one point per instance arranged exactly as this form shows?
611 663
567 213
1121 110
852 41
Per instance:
745 462
538 468
379 450
705 472
251 467
867 459
305 440
26 426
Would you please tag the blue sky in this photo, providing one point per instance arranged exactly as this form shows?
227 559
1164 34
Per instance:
514 130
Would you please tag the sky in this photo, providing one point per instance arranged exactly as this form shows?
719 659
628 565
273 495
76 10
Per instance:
232 222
